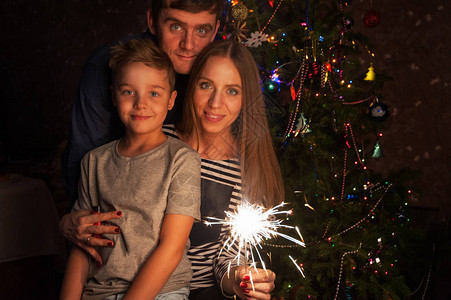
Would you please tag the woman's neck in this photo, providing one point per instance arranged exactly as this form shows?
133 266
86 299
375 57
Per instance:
212 146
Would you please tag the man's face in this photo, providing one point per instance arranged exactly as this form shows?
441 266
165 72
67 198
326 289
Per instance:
182 35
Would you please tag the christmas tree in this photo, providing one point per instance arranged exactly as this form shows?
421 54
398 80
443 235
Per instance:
325 107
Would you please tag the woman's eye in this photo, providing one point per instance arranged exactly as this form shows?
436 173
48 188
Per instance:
233 91
205 85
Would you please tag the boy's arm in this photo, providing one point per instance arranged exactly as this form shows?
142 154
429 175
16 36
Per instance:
164 259
75 276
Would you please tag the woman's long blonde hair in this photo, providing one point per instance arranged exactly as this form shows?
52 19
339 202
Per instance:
260 170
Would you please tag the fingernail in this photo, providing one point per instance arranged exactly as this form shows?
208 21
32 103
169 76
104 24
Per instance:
119 213
246 277
246 291
243 285
110 244
117 230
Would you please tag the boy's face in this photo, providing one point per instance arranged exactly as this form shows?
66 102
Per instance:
182 35
143 97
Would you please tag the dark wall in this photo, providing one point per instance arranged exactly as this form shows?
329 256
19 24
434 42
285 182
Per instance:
412 46
45 42
43 46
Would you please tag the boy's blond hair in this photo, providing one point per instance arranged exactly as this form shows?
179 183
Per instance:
142 51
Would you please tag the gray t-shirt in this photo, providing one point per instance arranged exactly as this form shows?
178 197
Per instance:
145 188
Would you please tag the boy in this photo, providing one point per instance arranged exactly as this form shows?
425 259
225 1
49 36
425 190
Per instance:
153 179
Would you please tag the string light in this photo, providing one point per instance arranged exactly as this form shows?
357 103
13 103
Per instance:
303 71
341 269
366 217
272 16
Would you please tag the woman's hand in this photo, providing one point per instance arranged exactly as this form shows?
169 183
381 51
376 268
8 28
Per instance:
260 287
79 227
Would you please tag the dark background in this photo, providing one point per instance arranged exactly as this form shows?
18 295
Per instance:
44 44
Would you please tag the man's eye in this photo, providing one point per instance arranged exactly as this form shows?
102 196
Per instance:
202 31
176 27
205 85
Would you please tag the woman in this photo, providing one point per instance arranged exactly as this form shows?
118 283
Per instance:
224 120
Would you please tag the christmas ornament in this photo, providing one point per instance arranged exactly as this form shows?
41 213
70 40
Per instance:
239 31
371 18
270 86
377 151
314 75
378 111
314 70
256 39
302 126
239 12
370 75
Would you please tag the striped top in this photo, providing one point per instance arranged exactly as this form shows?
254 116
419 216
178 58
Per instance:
221 191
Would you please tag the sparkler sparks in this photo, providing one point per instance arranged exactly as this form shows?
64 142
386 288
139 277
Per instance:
249 225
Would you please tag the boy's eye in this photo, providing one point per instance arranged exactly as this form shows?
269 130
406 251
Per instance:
154 94
127 92
205 85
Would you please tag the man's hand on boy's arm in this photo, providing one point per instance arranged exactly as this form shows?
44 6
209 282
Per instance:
164 259
78 226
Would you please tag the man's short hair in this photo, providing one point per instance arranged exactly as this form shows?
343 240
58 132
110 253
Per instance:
142 51
193 6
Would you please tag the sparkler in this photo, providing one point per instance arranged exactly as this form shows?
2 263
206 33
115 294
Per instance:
249 225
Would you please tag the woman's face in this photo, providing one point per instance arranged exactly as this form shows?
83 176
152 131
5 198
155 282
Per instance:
218 95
